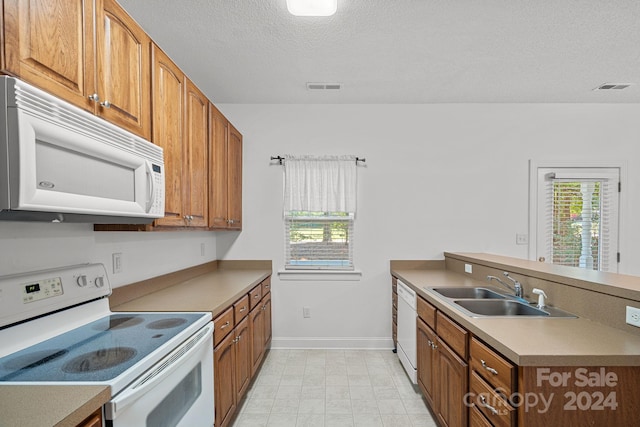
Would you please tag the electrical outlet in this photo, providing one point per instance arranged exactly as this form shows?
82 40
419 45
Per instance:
633 316
116 259
522 239
468 268
306 312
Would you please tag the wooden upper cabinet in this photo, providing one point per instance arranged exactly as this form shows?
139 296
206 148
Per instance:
196 138
90 53
49 43
234 186
168 96
123 53
225 177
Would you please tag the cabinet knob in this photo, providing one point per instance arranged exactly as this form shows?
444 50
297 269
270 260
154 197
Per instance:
106 104
94 97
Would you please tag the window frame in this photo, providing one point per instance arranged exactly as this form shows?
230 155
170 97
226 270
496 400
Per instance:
536 194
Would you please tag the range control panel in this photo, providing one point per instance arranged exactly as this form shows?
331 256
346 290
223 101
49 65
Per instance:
27 295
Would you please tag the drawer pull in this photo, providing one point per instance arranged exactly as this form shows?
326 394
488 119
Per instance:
225 325
488 368
256 296
243 309
493 410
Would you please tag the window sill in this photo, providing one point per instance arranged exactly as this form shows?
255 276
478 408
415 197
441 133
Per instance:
320 275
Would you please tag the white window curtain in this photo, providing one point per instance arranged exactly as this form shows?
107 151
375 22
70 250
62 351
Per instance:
320 184
319 211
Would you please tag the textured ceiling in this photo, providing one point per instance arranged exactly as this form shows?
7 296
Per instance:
402 51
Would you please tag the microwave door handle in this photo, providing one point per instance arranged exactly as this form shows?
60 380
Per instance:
151 185
151 377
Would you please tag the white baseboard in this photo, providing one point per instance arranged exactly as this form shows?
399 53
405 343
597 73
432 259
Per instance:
333 343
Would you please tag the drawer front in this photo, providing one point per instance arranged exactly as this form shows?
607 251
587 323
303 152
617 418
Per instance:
222 325
495 369
491 404
266 286
426 312
476 419
255 296
241 308
454 335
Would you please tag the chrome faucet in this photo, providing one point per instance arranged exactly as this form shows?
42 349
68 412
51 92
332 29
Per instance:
517 287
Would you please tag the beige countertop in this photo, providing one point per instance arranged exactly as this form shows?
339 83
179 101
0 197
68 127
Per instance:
212 291
532 341
49 405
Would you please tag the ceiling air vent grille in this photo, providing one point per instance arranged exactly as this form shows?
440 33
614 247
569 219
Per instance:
324 86
610 86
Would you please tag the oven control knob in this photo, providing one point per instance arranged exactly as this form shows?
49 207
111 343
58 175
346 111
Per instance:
82 281
99 281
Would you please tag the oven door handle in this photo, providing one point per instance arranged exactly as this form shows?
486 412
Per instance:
156 374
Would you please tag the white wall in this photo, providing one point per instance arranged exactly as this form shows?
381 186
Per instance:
437 178
34 246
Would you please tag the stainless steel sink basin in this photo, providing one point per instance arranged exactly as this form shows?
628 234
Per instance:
500 308
468 293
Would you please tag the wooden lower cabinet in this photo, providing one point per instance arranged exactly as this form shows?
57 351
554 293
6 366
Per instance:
427 361
224 362
256 321
93 420
240 339
451 375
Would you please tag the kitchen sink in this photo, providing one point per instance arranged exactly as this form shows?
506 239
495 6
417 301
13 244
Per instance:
486 302
468 293
500 308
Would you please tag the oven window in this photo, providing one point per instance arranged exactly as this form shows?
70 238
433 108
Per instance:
177 403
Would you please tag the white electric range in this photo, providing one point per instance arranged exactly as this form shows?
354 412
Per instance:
56 328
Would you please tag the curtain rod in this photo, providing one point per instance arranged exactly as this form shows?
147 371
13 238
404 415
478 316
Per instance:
280 159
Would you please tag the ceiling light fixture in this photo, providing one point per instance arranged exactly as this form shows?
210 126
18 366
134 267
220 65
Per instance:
312 7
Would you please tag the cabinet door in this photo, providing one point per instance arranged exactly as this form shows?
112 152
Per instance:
218 135
168 89
196 138
452 385
234 185
243 358
266 308
224 380
124 72
257 337
426 360
49 43
93 420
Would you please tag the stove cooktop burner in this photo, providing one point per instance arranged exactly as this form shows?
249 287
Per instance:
100 359
166 323
98 351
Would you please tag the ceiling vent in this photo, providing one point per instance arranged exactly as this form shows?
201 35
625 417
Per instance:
324 86
609 86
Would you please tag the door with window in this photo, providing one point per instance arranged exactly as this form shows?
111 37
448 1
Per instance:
576 217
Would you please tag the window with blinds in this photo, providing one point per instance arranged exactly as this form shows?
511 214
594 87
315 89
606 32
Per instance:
579 218
319 240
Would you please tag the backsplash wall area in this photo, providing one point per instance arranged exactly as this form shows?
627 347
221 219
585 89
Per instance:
26 246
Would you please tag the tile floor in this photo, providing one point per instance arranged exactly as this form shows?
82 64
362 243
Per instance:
333 388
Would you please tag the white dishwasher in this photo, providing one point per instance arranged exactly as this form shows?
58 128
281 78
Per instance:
407 330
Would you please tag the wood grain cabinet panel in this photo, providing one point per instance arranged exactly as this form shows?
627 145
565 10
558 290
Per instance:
256 324
225 176
224 362
452 386
168 95
243 358
427 361
124 69
93 420
50 44
196 138
266 308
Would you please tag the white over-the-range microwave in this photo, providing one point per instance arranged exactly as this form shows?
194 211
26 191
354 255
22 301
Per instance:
60 163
